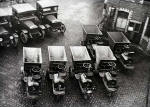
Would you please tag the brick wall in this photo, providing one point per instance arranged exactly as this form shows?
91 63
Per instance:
138 9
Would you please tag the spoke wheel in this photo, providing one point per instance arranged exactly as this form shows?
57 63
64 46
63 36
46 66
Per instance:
23 37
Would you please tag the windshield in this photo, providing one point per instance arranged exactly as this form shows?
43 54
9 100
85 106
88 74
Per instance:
51 9
27 15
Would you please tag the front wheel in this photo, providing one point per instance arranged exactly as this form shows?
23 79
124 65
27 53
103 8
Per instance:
15 43
62 28
24 37
86 96
42 34
71 73
57 98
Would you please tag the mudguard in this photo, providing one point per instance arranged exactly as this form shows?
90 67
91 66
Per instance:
24 31
15 35
47 26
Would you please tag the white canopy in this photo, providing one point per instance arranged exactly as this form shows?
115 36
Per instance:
57 53
21 8
91 29
32 55
47 3
6 11
103 53
118 37
80 53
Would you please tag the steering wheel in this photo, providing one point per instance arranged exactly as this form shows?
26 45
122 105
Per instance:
61 66
36 69
112 64
86 65
126 46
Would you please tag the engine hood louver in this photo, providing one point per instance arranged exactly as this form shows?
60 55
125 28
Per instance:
30 24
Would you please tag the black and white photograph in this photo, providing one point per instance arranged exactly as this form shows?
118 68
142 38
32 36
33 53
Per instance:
74 53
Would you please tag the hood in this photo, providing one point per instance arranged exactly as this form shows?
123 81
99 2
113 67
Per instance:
30 24
3 31
56 21
52 19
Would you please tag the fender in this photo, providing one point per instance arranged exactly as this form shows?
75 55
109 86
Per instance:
15 35
47 26
24 31
42 27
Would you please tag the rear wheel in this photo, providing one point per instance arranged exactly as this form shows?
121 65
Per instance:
24 37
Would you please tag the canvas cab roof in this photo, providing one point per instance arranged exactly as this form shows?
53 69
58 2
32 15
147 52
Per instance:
32 55
92 29
5 11
118 37
80 53
47 3
57 53
21 8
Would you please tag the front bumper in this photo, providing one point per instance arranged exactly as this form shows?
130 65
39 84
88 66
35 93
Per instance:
35 35
58 92
11 41
6 43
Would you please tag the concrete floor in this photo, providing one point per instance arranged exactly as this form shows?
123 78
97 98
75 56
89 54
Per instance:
133 87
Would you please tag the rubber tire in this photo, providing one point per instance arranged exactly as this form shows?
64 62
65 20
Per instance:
63 28
42 34
25 36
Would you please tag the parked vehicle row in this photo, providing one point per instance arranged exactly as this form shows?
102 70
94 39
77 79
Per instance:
82 70
26 22
121 48
7 36
117 41
109 51
100 52
100 56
